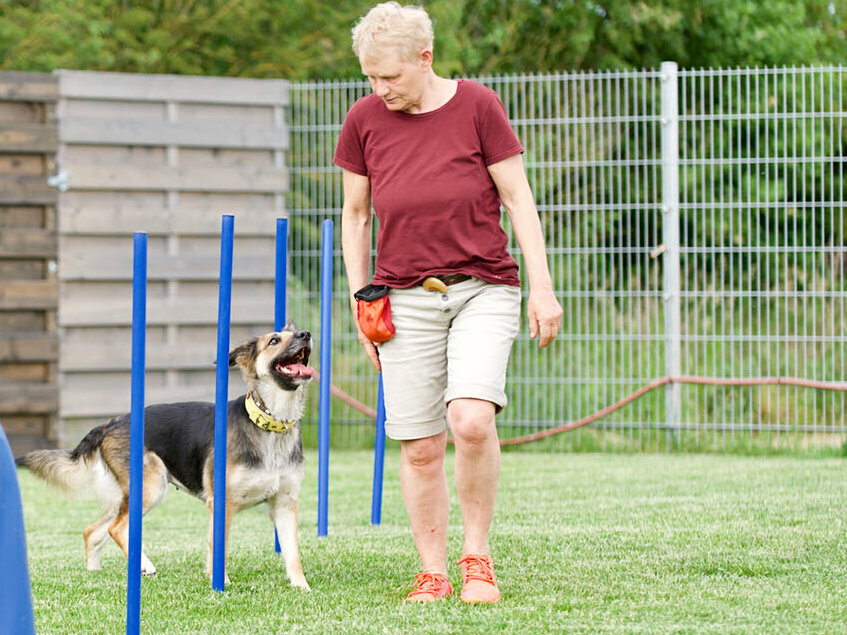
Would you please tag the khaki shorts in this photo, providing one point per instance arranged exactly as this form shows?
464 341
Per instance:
447 346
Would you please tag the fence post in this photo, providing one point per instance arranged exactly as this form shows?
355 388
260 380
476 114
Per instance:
670 237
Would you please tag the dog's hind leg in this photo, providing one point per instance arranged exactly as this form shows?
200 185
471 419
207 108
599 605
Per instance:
95 536
283 511
154 490
119 531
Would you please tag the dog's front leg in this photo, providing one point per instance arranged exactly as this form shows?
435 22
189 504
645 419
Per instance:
210 505
283 512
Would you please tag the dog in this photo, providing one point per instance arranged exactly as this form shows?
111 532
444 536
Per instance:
264 452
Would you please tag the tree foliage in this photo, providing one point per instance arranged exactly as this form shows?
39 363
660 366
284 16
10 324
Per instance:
298 39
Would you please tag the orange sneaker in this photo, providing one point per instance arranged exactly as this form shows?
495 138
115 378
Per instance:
479 585
430 586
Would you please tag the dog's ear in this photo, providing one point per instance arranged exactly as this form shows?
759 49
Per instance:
290 326
243 354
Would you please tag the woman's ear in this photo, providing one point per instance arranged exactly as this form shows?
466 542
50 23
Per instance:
425 59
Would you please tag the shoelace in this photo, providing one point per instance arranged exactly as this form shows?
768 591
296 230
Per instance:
428 583
477 568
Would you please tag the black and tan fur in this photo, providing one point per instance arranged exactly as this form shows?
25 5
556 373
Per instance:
262 466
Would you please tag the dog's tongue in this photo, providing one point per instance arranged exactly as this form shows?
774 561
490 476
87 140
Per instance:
300 370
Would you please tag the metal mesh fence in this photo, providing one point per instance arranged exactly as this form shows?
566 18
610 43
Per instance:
695 226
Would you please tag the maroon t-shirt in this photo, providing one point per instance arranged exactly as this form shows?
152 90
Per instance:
438 209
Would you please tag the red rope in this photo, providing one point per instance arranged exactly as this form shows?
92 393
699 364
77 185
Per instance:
712 381
335 391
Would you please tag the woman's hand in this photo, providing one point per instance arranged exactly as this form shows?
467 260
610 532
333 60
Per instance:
544 314
369 346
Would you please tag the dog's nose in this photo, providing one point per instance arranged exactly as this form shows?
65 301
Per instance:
303 335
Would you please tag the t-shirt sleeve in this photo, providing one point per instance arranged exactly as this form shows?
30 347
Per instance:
499 141
350 152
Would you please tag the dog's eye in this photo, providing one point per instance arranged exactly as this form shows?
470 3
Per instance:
273 341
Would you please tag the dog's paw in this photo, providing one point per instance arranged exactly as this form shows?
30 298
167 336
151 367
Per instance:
301 584
147 567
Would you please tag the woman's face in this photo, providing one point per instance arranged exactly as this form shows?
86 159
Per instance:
400 84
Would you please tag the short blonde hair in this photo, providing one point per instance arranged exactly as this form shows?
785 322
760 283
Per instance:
407 29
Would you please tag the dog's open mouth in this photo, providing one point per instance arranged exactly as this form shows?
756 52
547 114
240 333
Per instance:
296 365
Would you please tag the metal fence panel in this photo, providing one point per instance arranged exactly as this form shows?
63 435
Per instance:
761 255
764 249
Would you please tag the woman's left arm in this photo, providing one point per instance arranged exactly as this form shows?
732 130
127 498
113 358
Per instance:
544 313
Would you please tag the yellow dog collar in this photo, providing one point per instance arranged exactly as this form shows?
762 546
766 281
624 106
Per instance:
263 419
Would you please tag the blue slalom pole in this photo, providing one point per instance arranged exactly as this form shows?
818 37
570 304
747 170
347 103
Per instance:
15 592
281 273
280 283
326 362
379 456
221 394
136 431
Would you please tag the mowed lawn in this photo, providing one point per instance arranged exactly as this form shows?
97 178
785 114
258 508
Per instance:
583 543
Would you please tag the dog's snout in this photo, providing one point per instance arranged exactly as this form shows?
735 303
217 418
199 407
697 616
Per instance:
303 335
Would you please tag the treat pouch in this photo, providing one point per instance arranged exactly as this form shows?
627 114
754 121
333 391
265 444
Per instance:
373 312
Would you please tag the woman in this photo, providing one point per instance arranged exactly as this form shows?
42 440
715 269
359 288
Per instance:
436 157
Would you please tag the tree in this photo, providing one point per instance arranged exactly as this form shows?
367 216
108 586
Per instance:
547 35
300 39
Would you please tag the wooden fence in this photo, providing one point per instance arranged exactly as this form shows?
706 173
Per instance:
29 398
167 155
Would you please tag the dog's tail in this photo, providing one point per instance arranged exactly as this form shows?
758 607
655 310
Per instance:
69 470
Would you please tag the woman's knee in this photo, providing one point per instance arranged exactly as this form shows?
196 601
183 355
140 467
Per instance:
471 421
424 454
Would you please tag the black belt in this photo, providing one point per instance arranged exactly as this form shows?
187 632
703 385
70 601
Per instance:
453 278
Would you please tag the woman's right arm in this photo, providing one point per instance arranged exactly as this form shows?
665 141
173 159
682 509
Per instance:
356 220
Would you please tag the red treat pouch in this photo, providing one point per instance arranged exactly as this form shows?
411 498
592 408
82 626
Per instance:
373 312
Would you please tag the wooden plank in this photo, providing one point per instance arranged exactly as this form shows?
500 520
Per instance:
199 134
21 269
96 265
158 221
29 347
112 403
21 216
23 443
202 179
23 321
247 308
29 294
24 371
29 425
27 433
142 87
31 112
28 242
26 190
106 357
29 137
16 86
22 165
31 398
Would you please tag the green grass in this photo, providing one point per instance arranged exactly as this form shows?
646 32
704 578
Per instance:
586 543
